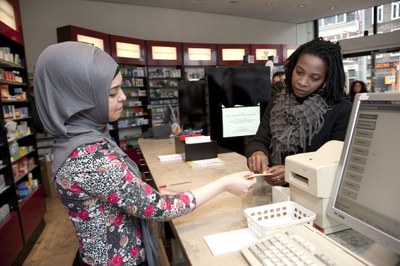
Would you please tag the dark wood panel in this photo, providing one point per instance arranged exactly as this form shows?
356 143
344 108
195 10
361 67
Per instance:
32 212
11 242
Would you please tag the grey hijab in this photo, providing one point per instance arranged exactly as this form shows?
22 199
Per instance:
72 82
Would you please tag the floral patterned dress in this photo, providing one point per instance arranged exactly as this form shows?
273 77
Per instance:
105 202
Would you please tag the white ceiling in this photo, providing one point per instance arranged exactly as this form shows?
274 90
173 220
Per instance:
274 10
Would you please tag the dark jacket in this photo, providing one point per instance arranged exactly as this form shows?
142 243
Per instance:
334 128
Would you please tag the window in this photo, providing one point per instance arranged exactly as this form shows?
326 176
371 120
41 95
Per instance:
329 20
379 15
350 16
341 18
395 10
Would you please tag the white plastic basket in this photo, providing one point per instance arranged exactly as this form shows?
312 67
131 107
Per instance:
268 219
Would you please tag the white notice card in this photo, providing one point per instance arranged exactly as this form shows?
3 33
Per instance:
240 121
231 241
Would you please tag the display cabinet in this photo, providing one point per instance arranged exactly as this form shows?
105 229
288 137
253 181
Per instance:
164 72
196 58
263 52
129 53
74 33
232 54
22 203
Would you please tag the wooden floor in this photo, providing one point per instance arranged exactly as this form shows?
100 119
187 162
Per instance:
57 245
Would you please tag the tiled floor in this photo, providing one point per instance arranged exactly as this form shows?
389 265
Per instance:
57 243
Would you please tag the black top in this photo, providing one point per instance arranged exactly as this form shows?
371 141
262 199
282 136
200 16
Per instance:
334 128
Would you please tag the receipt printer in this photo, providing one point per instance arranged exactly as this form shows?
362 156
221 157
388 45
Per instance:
311 176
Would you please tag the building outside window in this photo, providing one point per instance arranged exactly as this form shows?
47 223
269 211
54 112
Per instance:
395 10
380 70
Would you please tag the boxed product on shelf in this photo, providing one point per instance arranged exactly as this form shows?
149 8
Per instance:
122 123
4 212
175 73
23 190
138 72
126 83
2 182
19 94
142 92
5 54
138 82
13 149
5 92
134 103
8 111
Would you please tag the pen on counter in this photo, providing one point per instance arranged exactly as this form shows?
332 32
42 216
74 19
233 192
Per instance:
174 184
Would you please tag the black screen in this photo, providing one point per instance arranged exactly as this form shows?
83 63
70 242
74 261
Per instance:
192 105
230 86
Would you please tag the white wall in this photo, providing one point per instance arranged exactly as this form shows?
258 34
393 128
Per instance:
41 18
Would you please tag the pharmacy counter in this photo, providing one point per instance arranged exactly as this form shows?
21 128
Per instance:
221 214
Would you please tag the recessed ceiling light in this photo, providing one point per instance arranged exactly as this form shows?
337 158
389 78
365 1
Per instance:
268 3
301 5
332 7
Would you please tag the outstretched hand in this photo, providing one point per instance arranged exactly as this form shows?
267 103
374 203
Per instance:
239 183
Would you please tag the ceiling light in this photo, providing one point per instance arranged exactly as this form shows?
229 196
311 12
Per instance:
300 6
332 7
268 3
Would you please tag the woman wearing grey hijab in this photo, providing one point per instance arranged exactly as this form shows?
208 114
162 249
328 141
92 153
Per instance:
77 93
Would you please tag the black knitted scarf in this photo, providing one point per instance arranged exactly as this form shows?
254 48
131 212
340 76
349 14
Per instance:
293 123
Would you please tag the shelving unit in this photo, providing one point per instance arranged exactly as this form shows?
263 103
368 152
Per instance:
135 118
163 91
22 203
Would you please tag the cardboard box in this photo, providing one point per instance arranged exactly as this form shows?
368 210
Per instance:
47 178
196 151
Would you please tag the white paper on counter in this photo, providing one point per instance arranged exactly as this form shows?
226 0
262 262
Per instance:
231 241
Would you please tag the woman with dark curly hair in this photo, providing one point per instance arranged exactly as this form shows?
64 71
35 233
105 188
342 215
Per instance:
357 86
309 112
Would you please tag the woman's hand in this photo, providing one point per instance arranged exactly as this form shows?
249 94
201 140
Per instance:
239 183
258 162
277 177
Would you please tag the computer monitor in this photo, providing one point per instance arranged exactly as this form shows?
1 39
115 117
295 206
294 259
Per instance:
366 192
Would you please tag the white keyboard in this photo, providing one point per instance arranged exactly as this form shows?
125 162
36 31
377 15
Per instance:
300 245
